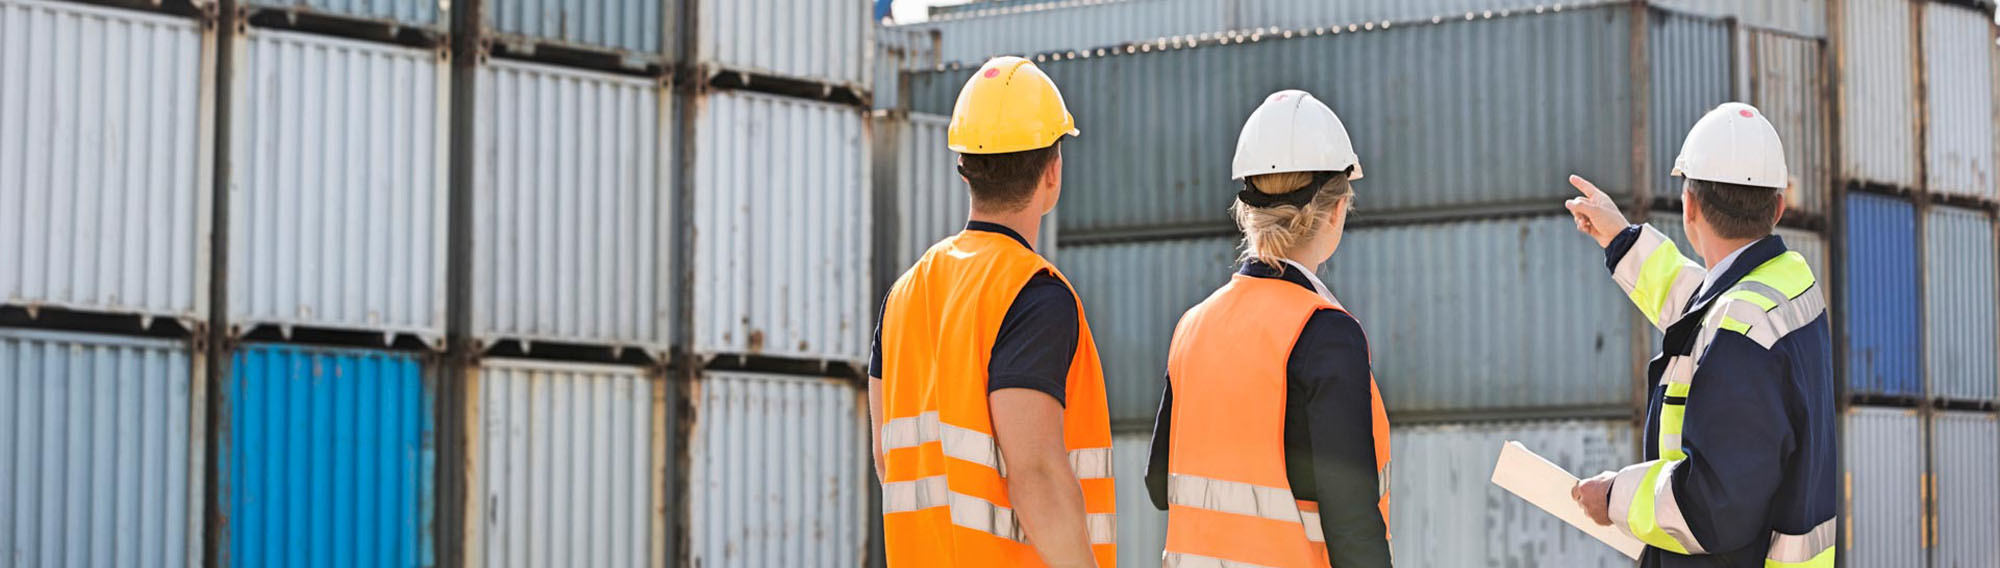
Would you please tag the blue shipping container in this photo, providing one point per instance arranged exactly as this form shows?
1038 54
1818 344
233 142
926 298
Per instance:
329 456
1880 309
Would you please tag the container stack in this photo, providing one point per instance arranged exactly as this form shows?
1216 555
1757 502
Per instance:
1495 320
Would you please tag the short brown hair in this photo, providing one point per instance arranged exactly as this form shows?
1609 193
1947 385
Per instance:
1736 211
1005 182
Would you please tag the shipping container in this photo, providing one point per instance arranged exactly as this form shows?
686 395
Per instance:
328 456
1958 61
781 228
337 185
809 40
1802 18
562 465
643 30
571 216
899 49
1400 93
1142 529
103 440
974 36
1959 297
1445 510
1690 59
778 471
105 197
1878 92
1879 309
1781 75
430 15
1133 294
1965 459
917 181
1885 523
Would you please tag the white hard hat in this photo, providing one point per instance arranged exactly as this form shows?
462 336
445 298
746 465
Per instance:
1734 144
1293 132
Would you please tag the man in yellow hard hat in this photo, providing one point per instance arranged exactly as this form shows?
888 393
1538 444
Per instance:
982 351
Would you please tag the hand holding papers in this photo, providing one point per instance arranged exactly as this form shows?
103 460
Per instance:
1546 486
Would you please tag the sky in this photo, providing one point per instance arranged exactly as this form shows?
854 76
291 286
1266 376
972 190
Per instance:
909 11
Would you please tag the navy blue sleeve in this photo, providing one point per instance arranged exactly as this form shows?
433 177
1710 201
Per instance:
1620 245
1156 459
1037 339
1330 359
875 351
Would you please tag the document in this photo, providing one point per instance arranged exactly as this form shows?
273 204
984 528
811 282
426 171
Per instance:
1547 486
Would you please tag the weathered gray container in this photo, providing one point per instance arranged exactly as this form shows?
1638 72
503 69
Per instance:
1806 18
1781 75
105 198
641 29
572 229
781 228
1686 54
1133 294
810 40
917 181
899 49
1445 510
973 37
432 15
565 465
1878 112
104 441
1965 459
1885 523
1958 62
779 471
337 185
1959 305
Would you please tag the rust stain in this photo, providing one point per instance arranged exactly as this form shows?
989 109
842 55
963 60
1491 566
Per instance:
756 339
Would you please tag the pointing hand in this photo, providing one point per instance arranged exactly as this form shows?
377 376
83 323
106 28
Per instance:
1596 215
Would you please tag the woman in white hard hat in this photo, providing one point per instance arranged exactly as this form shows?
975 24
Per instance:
1271 445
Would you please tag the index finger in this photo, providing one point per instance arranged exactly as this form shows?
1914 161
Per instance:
1589 190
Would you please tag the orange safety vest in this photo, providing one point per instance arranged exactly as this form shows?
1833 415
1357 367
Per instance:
944 501
1228 498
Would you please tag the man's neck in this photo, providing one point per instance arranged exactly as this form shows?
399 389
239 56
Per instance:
1719 249
1025 222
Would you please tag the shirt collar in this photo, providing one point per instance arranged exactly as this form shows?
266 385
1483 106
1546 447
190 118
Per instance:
998 228
1292 272
1739 264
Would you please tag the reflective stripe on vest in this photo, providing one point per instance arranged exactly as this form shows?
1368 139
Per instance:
1185 560
975 513
1811 550
1239 498
977 447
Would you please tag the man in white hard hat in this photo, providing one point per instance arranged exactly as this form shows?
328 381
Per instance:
1740 443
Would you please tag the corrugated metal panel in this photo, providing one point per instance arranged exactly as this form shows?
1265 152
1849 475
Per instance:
781 258
930 200
102 446
423 14
899 49
570 231
778 471
1958 53
1400 93
1794 17
1959 311
1133 294
1878 89
639 28
973 38
1880 307
1142 529
1691 75
1445 510
104 197
337 185
1532 317
328 457
562 465
1965 454
1885 505
812 40
1783 79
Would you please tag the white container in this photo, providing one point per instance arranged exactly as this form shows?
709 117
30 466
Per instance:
1965 459
1444 509
1878 117
1959 305
1885 524
1781 75
778 471
1958 63
811 40
571 220
337 185
104 197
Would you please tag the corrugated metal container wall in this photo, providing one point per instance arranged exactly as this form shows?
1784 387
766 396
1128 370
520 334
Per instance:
778 471
329 454
422 14
102 446
1883 451
337 185
1878 91
899 49
1533 318
105 197
929 198
1958 61
1794 17
1445 510
812 40
1400 94
639 28
781 251
1309 14
1782 77
1880 308
1959 311
570 230
1965 456
1142 529
1133 294
1691 74
562 467
973 38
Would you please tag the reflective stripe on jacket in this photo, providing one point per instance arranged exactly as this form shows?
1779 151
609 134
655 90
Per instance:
1229 500
944 499
1741 452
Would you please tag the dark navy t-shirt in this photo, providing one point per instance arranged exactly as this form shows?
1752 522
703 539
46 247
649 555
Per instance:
1037 338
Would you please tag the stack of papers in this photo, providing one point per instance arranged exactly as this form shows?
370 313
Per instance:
1546 485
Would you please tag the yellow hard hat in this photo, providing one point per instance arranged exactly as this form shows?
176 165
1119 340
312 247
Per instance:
1008 106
